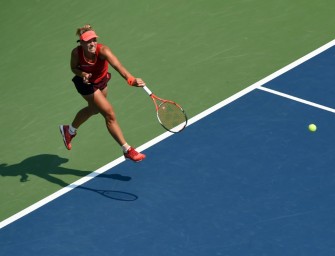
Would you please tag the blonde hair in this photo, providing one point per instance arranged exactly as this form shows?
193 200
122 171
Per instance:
83 29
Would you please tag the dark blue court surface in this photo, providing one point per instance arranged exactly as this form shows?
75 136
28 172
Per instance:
313 81
249 179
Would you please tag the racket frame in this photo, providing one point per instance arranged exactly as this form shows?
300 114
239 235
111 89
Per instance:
162 101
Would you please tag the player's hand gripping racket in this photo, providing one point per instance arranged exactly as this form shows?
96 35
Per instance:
169 114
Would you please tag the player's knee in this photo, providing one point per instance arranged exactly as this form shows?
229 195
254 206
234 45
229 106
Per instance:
93 111
110 116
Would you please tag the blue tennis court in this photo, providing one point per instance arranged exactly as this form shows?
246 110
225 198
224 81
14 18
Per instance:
247 179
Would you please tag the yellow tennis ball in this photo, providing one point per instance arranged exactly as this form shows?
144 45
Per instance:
312 127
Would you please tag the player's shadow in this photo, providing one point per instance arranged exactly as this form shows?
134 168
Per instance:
45 166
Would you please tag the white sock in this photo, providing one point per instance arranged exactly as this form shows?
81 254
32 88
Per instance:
125 147
72 130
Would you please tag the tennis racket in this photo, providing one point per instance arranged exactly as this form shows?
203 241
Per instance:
169 114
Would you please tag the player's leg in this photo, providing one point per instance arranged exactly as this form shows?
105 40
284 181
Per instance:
98 102
69 131
106 109
85 113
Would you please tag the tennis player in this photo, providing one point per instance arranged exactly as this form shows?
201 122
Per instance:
89 62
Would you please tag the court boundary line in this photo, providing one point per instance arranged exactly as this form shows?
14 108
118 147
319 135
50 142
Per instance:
165 135
307 102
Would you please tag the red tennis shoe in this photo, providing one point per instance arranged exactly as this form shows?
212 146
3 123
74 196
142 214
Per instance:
67 137
132 154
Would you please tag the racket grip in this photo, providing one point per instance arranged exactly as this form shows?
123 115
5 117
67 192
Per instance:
147 90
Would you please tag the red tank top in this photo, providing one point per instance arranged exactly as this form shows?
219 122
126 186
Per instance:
98 69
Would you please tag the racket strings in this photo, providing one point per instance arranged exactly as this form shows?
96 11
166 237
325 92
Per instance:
171 116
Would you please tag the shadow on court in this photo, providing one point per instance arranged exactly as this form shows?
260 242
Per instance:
112 194
46 165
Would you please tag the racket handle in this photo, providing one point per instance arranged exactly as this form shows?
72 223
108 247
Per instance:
147 90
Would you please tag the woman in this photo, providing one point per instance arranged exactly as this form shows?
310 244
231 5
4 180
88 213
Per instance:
89 63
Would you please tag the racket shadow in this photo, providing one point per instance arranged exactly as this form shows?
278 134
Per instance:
112 194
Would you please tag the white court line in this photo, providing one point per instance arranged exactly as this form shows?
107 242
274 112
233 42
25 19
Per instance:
164 136
297 99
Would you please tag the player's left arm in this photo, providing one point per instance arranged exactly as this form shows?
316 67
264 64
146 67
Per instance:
106 52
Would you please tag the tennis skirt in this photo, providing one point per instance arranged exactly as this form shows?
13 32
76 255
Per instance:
87 89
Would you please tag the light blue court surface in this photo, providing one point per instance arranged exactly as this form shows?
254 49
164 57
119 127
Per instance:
248 179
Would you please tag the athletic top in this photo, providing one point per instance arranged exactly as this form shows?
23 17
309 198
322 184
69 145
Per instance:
98 69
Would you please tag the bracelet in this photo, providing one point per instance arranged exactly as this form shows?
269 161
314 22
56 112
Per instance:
131 80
